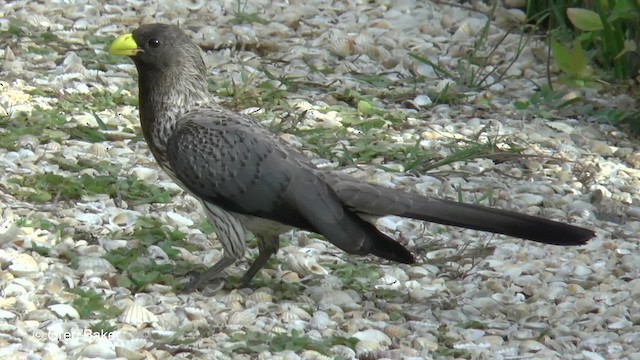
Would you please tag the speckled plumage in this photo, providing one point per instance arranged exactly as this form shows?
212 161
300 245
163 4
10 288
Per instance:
248 179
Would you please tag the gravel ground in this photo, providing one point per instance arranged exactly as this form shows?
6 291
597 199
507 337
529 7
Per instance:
340 66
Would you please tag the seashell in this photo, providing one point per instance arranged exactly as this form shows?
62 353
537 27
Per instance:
441 253
341 47
158 254
619 324
99 150
28 141
123 218
290 277
304 265
9 228
162 334
194 5
24 265
37 315
343 351
517 15
136 315
233 296
314 355
296 312
363 348
144 173
611 299
260 297
145 299
178 220
463 33
379 316
528 346
288 316
422 101
100 350
335 297
194 313
278 330
7 302
130 344
395 331
65 310
320 320
388 282
124 353
89 219
242 317
445 84
94 265
373 336
38 20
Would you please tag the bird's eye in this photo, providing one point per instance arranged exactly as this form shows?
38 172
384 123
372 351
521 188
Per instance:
154 43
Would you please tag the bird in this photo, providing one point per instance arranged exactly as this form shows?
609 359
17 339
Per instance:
248 179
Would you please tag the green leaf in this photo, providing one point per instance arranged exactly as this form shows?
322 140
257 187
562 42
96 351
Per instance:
365 107
624 9
521 104
585 20
572 62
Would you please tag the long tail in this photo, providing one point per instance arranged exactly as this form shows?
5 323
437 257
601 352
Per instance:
380 201
498 221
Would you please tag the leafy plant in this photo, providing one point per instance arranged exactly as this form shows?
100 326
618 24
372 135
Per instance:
136 269
255 342
90 304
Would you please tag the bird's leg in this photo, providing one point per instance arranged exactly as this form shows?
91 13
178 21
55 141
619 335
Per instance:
215 271
267 246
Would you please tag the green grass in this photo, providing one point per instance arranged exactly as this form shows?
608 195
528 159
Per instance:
136 270
253 343
48 187
92 305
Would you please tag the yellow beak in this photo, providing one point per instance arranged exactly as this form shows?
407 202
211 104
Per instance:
124 46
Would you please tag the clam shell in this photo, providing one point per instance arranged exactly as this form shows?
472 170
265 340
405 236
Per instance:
304 264
123 219
260 297
194 313
89 219
242 317
136 315
95 265
341 46
99 150
233 296
144 173
65 310
122 352
98 350
178 220
24 265
395 331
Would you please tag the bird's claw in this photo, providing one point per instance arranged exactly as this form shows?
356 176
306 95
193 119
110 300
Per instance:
199 282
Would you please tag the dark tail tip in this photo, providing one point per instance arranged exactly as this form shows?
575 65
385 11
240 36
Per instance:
387 248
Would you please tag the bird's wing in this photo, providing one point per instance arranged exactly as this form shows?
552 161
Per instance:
377 200
226 160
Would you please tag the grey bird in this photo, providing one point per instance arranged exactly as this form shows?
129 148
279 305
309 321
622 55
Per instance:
248 179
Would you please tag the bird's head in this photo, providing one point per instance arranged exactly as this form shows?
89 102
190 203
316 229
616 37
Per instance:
169 63
158 46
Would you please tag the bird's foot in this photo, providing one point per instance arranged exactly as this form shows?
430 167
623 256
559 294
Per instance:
212 276
198 282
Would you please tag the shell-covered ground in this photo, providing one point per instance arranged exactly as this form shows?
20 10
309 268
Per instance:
95 240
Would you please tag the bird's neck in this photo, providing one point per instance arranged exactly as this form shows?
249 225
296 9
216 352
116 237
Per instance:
162 102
